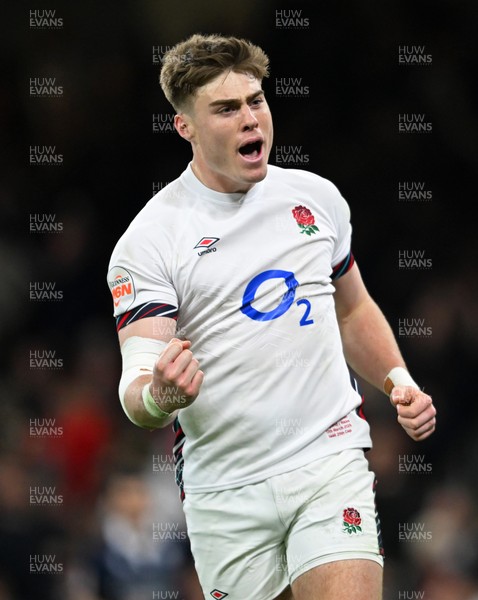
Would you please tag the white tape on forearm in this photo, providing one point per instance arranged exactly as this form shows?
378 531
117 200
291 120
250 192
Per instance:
139 356
151 406
398 376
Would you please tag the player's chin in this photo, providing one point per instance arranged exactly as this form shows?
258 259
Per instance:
255 173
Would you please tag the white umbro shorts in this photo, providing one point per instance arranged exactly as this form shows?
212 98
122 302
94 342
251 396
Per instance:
251 542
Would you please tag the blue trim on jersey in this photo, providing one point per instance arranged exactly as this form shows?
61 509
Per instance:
343 266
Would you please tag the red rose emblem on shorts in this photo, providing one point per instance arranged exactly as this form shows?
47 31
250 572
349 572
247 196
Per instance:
305 219
352 520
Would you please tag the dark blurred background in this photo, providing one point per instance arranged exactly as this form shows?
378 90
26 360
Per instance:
88 504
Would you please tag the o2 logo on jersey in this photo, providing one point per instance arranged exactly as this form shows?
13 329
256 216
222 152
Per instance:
287 299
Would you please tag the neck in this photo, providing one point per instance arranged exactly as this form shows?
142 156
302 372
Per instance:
225 187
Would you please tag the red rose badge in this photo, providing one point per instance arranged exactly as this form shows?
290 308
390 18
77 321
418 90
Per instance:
305 220
352 521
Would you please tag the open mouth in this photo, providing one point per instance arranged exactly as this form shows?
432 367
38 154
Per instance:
251 150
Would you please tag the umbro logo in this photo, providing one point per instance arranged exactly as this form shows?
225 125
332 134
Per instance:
218 594
207 243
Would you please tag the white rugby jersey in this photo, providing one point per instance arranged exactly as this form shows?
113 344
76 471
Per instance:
248 277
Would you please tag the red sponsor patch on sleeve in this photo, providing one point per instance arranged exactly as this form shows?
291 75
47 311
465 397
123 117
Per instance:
121 284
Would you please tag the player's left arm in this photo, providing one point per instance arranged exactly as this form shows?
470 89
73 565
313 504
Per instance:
371 350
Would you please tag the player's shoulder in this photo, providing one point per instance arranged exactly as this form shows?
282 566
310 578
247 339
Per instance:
160 210
152 225
163 206
304 181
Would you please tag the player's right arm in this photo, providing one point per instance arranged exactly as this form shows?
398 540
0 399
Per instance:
172 377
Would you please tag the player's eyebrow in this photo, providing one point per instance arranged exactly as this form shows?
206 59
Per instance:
235 102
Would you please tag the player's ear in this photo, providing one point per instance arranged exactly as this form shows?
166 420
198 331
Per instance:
184 126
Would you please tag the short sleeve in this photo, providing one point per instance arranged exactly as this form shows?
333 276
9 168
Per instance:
139 278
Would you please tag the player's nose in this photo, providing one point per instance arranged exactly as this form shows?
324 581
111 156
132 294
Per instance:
249 120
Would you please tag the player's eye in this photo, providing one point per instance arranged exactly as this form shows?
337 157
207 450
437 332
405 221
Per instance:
225 110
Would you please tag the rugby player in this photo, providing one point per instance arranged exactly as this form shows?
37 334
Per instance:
241 314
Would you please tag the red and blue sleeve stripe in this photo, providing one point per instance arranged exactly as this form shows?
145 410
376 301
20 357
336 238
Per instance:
149 309
343 266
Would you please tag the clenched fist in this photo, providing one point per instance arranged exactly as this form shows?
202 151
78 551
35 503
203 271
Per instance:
416 413
177 378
